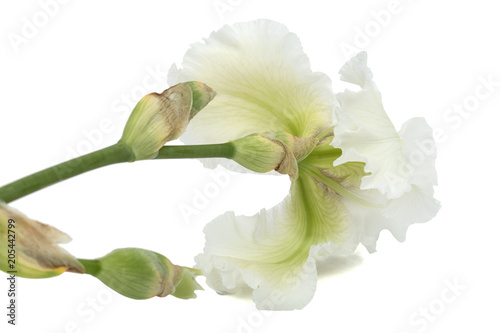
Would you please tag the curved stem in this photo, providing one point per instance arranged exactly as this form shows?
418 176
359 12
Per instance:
114 154
117 153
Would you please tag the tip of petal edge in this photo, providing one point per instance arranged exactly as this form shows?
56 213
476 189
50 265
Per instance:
356 70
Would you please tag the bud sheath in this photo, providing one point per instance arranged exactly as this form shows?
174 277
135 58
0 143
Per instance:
30 248
277 150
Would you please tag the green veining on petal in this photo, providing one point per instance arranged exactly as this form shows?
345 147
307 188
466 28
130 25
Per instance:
336 187
321 214
313 216
283 106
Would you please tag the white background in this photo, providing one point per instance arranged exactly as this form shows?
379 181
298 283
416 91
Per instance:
76 71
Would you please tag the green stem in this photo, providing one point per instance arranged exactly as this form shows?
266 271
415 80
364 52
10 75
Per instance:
225 150
117 153
114 154
92 267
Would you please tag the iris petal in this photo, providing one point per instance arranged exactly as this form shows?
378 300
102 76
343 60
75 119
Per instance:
263 82
275 251
366 134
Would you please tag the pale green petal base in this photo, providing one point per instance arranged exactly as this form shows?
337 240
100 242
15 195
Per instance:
271 251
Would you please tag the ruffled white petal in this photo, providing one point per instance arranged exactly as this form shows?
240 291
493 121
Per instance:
418 205
370 210
367 220
275 252
263 81
366 134
415 206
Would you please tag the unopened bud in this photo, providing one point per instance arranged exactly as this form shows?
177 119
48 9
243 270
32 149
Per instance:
259 153
29 248
280 151
142 274
159 118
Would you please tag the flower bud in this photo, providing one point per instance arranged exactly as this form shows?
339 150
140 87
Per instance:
280 151
159 118
29 248
142 274
260 153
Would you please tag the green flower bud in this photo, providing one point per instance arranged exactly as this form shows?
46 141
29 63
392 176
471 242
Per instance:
29 248
258 152
280 151
159 118
142 274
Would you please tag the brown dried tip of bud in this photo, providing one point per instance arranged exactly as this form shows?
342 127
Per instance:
36 250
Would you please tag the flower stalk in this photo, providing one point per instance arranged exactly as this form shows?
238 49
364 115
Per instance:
157 119
118 153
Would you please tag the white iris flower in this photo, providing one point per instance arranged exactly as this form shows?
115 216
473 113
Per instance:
362 176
